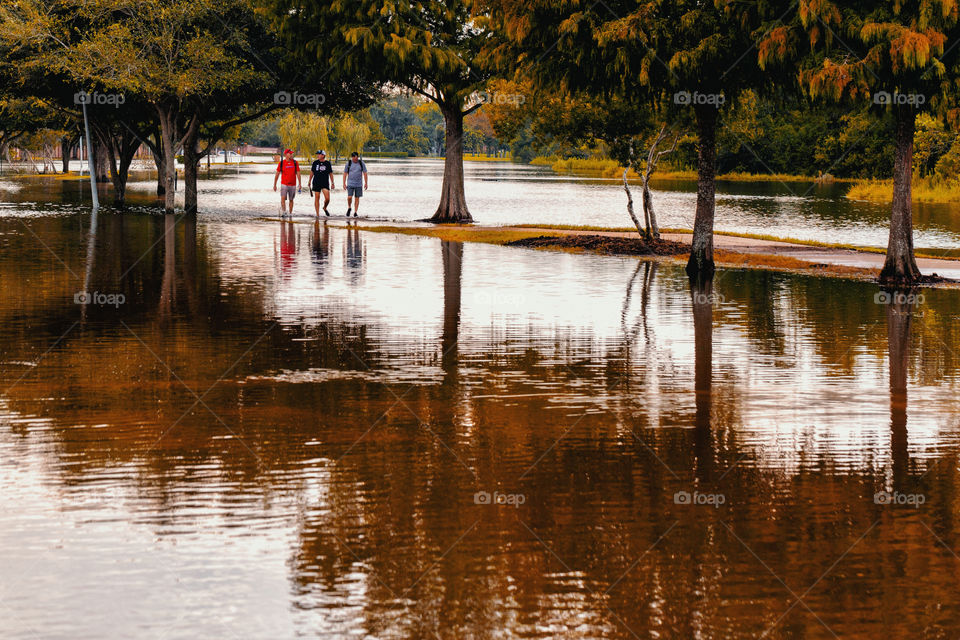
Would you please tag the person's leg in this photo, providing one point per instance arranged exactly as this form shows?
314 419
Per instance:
349 201
316 203
356 205
326 201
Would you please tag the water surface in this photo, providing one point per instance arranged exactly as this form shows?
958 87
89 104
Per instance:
292 430
506 193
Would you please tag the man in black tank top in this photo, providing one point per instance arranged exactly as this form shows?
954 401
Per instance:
320 174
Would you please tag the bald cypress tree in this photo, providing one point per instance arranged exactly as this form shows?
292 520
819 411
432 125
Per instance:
691 57
888 53
428 47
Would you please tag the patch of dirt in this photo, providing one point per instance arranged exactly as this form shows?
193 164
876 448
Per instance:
606 245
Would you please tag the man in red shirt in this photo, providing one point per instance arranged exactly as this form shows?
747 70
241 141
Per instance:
289 169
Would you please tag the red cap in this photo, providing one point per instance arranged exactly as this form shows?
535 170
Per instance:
287 151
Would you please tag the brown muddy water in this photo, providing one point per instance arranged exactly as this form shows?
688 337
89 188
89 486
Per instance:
255 429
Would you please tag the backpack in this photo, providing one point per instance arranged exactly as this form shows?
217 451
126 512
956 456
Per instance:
363 167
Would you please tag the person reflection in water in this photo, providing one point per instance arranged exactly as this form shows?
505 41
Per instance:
320 247
353 254
288 247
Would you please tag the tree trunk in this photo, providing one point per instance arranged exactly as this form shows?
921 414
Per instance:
128 149
66 144
191 166
900 266
101 161
167 138
649 217
121 146
701 250
161 174
633 216
156 151
453 202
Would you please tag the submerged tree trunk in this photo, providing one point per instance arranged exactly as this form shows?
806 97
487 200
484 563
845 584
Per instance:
900 266
191 166
453 202
121 145
66 145
701 250
161 174
156 151
167 141
101 161
128 149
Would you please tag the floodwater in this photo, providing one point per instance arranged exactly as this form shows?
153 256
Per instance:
504 193
260 429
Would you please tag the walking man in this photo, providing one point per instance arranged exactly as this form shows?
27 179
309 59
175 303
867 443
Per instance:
354 181
289 169
320 174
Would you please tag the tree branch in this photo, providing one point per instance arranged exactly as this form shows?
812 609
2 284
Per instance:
215 134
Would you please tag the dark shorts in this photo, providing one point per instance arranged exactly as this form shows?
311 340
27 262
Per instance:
355 192
321 185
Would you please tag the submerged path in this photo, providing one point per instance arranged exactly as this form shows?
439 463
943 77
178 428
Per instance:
945 267
732 251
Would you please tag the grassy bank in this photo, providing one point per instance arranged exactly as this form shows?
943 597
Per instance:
940 254
924 190
607 168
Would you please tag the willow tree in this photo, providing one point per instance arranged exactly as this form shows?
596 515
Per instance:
688 55
886 52
429 47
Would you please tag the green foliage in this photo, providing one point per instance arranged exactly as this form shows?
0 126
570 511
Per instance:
428 46
930 143
158 49
414 141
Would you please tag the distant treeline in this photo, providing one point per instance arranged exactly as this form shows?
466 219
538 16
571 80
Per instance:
399 125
